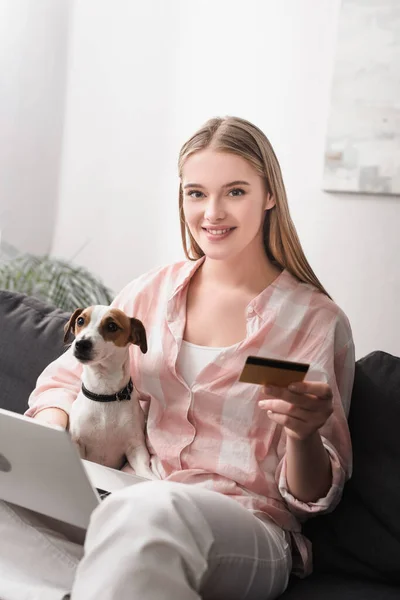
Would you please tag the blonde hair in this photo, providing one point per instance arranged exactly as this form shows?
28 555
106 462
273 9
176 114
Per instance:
281 242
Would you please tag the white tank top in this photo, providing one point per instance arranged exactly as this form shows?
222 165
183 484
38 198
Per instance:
192 359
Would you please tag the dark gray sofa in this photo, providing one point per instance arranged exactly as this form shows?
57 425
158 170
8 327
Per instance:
357 547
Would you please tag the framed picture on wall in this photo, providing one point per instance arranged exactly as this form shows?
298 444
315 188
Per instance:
362 150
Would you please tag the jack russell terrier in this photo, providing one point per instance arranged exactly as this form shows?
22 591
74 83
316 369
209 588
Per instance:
106 419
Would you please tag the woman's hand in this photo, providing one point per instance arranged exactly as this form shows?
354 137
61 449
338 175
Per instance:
52 416
301 409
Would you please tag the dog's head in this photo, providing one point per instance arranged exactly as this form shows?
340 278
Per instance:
101 331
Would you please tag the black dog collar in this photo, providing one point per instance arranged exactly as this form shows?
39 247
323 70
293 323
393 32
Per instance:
124 394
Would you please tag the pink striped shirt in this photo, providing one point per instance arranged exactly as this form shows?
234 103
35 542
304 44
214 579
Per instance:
214 433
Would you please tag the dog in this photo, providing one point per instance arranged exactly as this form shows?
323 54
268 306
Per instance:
106 420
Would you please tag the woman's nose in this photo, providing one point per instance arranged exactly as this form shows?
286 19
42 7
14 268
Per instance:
214 210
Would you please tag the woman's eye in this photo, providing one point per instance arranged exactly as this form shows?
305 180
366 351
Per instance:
195 194
80 321
237 192
112 327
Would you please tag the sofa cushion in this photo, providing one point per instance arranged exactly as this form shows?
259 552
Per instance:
336 587
31 336
362 536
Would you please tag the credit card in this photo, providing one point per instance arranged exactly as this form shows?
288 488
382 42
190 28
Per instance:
268 371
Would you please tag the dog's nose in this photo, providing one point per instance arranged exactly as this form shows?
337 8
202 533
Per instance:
83 346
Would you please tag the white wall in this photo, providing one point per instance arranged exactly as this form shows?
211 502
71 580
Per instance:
143 77
33 51
114 180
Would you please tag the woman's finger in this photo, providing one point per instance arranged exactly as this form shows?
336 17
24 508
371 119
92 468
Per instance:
305 395
285 408
306 401
319 389
296 425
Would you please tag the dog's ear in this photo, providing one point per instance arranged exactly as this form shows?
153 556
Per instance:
138 335
70 326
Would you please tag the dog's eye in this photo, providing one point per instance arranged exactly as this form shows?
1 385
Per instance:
112 327
80 321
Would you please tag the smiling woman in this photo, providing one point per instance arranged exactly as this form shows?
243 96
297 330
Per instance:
235 159
220 207
241 467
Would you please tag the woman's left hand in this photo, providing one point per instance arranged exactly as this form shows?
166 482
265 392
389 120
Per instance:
301 409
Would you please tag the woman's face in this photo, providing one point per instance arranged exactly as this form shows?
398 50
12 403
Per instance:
224 203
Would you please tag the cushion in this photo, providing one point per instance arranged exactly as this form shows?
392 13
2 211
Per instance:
362 536
31 336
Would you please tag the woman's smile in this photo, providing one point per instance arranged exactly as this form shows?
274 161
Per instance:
216 235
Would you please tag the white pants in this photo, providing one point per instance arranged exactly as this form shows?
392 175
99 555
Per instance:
155 540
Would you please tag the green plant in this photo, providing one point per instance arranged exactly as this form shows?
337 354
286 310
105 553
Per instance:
54 281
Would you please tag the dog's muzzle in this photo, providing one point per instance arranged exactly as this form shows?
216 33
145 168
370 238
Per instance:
83 350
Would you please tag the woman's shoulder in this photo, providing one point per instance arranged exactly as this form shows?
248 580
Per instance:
155 280
309 295
320 308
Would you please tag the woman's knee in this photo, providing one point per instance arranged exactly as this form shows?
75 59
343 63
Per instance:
150 497
153 518
155 506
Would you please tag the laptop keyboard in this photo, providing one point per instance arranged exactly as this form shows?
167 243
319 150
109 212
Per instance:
102 493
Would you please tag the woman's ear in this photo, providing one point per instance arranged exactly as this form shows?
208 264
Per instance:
269 202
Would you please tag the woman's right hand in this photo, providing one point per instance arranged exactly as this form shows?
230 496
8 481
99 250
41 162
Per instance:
52 416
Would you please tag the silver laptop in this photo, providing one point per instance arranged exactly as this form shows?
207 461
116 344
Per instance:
40 469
